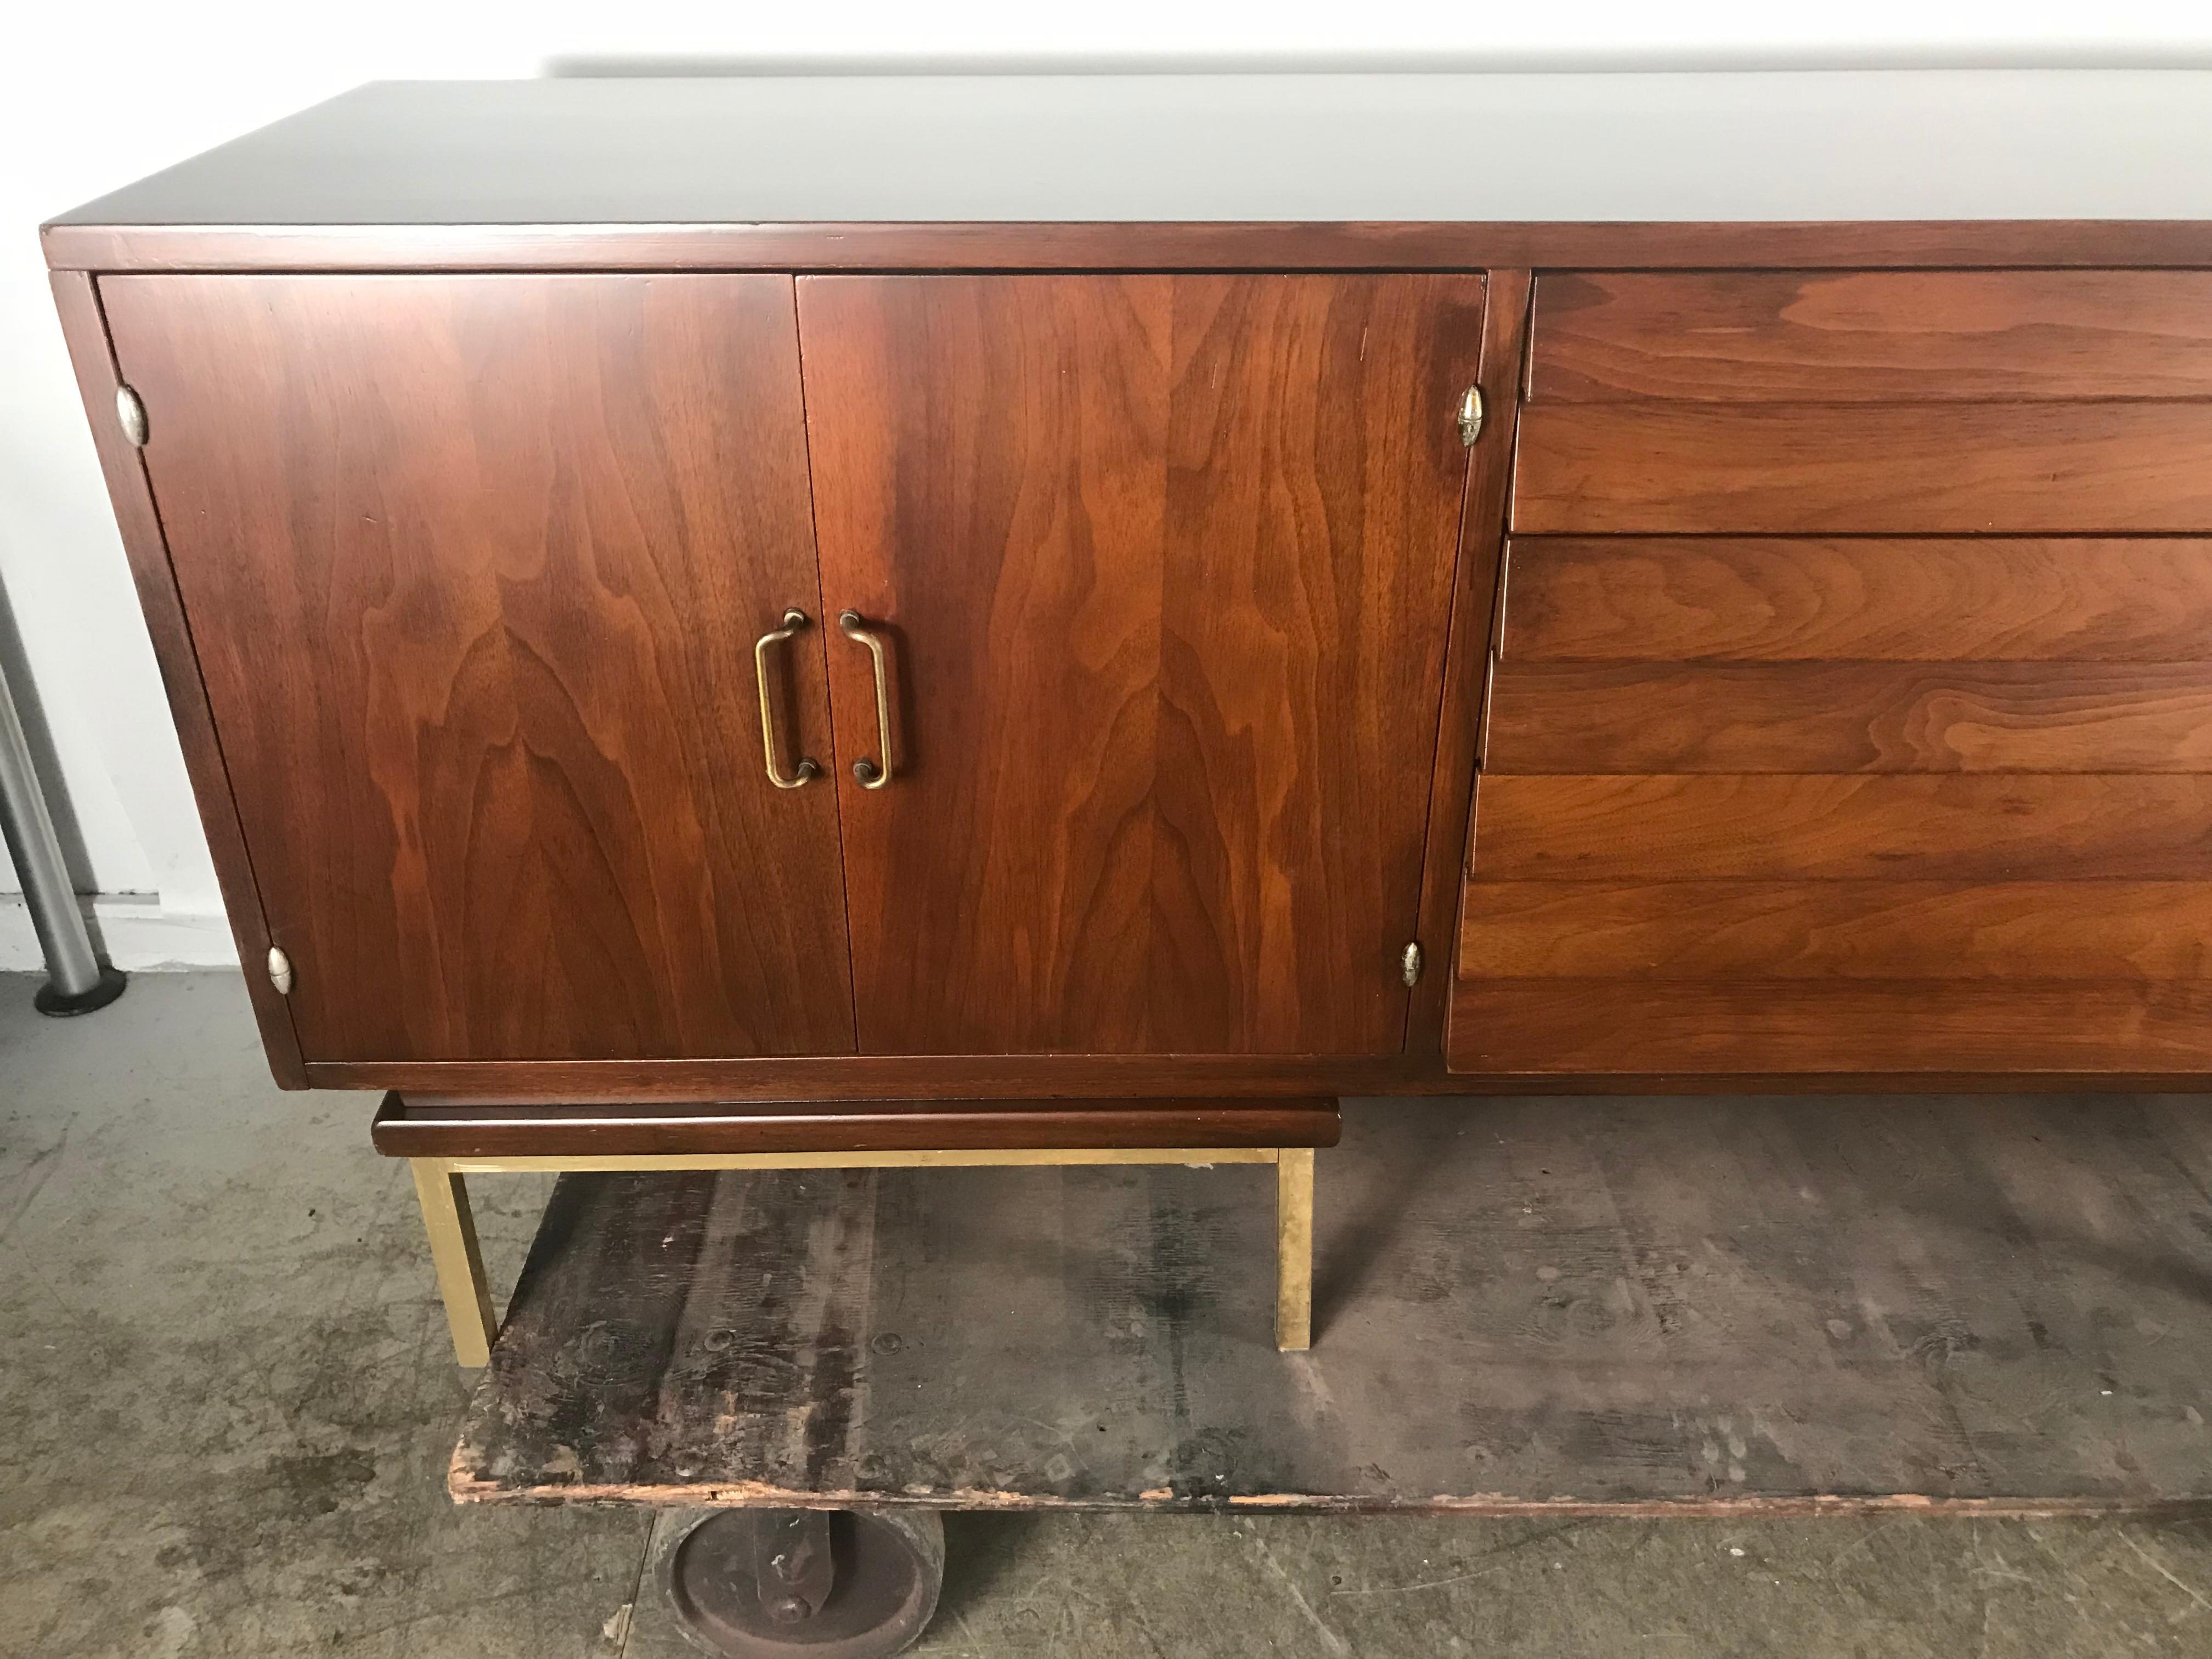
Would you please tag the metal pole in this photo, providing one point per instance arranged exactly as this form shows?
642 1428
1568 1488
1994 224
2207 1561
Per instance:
76 983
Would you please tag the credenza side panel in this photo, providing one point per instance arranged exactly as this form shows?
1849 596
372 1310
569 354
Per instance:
474 566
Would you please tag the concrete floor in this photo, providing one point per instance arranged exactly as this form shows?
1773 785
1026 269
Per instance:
227 1403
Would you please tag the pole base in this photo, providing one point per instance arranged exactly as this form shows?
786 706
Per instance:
51 1002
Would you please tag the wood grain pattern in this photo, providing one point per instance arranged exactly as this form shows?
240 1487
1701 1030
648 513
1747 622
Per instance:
1168 564
1315 487
2018 468
1682 599
1871 335
1851 717
1733 1025
2014 931
989 489
474 566
1961 827
432 1126
85 330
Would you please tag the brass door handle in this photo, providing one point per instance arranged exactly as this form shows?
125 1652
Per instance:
873 776
793 620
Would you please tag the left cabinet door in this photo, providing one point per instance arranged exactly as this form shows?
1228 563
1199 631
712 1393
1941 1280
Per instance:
475 567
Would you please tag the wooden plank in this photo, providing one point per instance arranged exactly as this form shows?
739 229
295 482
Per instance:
1705 1307
2011 931
1167 565
473 566
1729 1025
431 1126
1657 598
1871 335
2017 468
1851 717
1960 827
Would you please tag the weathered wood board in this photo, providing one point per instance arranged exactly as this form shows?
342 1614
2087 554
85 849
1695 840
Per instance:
1995 1303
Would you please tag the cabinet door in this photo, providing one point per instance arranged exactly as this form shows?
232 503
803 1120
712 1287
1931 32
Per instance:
1162 566
474 567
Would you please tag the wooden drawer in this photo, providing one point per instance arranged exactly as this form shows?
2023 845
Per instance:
1852 717
2071 402
1692 655
1679 1029
1862 599
1902 469
1890 828
1871 337
2130 931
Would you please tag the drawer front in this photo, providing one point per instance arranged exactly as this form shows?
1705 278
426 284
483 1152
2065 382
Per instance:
1871 337
1634 717
1983 600
1803 929
1814 828
1784 1027
1901 469
1935 403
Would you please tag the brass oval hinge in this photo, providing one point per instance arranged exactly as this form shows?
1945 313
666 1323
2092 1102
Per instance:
130 415
1409 966
280 970
1470 416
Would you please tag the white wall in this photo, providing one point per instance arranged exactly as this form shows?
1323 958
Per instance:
92 97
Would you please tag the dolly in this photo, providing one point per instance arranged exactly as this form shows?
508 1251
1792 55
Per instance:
1703 1307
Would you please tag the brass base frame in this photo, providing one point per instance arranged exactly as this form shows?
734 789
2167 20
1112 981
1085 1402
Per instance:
439 1184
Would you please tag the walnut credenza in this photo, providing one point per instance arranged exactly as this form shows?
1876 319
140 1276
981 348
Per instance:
1185 588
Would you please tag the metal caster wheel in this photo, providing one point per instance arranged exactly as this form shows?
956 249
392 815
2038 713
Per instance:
825 1583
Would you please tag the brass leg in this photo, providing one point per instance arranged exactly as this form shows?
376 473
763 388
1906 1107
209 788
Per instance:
453 1253
1294 1201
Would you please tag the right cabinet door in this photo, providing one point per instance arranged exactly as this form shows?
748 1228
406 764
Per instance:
1852 706
1151 579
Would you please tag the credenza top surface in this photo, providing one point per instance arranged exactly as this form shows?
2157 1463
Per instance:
1662 148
